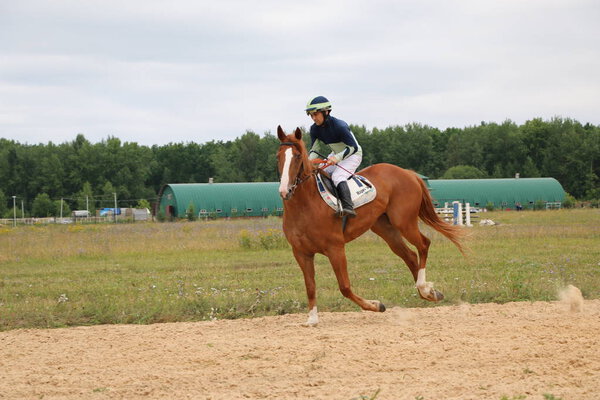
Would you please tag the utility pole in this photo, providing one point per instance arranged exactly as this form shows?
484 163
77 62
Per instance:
22 210
61 208
15 211
87 203
115 213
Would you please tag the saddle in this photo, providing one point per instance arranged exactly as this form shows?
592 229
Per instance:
361 190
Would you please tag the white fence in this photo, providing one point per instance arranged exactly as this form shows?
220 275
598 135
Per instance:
73 220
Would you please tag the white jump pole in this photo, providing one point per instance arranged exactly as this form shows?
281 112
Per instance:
468 214
457 215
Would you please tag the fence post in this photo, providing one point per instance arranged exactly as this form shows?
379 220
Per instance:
457 213
468 214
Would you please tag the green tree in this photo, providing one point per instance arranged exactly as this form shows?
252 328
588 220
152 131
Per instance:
503 149
143 203
464 172
85 198
61 205
566 157
190 212
3 203
108 195
465 147
43 206
224 162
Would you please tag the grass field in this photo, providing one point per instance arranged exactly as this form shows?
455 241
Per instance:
55 276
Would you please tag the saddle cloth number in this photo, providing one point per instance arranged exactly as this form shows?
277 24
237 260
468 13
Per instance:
361 190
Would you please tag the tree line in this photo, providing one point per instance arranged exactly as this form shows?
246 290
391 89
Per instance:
88 175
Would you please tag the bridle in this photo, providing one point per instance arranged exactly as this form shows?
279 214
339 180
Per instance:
299 180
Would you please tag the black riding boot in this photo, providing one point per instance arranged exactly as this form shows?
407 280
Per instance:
346 199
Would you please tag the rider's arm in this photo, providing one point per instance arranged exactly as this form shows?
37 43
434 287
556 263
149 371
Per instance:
314 149
348 146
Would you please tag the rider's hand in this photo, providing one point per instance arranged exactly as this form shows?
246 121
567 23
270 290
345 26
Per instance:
331 161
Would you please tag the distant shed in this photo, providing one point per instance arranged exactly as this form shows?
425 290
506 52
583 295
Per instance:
503 193
250 199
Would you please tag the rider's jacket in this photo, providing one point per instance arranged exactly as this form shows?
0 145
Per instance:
333 136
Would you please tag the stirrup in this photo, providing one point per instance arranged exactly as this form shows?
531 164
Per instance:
347 212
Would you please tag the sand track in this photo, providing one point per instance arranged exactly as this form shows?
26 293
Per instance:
481 351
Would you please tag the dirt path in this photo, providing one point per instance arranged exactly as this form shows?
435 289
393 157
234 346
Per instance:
482 351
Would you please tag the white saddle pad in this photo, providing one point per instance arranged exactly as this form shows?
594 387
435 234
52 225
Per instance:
361 189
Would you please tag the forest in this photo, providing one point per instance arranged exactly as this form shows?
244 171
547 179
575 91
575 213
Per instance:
35 177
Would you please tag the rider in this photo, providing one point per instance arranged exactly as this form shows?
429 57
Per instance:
335 135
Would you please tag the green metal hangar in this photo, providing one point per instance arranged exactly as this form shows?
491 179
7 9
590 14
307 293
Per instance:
503 193
259 199
254 199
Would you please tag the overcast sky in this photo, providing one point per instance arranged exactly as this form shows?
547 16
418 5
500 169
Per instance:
155 72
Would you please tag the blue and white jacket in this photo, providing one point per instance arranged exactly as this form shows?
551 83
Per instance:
335 135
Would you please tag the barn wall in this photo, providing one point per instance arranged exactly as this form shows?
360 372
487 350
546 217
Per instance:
503 193
223 199
262 198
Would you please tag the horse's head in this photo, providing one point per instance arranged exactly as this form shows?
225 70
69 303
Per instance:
292 161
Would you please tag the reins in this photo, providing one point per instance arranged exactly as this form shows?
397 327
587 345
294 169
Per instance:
324 160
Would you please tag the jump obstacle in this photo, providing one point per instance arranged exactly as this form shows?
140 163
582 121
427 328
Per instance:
458 214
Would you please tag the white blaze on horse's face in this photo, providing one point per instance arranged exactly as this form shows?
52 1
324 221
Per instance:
285 174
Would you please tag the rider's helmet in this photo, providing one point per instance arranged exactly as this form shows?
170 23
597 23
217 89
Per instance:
319 103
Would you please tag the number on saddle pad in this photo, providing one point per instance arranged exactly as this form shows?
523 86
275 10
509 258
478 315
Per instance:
361 189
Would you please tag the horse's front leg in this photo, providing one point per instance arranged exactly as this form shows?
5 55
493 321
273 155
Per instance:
426 289
337 258
307 265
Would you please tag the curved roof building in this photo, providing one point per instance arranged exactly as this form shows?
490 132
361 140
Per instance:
251 199
503 193
254 199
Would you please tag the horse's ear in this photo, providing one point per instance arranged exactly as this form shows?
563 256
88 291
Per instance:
298 134
280 133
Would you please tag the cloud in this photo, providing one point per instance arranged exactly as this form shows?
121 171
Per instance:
154 72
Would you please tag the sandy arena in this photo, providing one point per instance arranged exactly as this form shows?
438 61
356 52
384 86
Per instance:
487 351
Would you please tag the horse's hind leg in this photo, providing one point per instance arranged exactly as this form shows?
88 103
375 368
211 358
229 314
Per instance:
307 265
393 237
337 258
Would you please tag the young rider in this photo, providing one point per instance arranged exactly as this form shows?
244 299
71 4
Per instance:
345 154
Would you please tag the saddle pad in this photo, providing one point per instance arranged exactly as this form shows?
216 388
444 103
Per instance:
361 189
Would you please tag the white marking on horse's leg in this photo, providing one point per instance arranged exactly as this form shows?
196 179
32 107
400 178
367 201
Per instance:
425 288
285 178
313 317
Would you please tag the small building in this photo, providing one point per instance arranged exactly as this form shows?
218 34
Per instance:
510 193
248 199
81 214
139 214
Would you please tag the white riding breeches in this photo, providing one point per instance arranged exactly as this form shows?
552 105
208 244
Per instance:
344 169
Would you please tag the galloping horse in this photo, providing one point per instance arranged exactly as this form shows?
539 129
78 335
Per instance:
311 227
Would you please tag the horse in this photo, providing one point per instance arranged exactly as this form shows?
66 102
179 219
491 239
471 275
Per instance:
311 227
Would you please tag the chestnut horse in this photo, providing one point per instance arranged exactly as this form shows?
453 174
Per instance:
311 226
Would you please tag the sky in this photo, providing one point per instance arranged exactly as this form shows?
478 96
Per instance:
158 72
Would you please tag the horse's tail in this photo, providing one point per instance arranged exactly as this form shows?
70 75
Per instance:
427 213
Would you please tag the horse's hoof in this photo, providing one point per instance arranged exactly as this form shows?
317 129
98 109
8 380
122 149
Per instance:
438 295
381 307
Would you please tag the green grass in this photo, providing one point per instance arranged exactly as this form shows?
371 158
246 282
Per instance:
56 276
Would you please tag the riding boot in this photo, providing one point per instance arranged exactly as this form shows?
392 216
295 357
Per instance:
346 199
